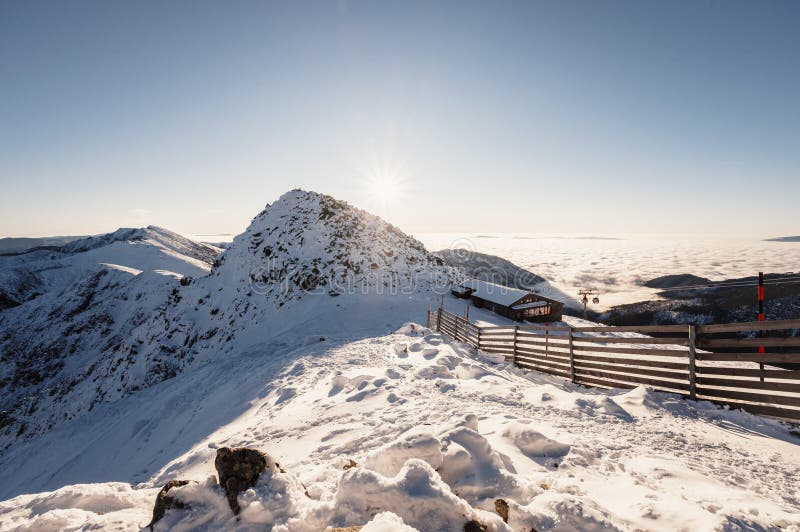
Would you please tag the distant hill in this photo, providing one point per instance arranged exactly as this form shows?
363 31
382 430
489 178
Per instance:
501 271
676 281
490 268
12 245
718 304
783 239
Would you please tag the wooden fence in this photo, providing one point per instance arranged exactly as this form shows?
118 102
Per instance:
705 362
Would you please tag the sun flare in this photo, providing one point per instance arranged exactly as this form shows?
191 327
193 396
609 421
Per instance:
385 185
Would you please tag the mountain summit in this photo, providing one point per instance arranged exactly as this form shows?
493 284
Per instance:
307 242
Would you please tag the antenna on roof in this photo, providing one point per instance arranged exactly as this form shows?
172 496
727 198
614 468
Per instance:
585 299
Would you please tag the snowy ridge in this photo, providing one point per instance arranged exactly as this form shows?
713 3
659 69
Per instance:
105 330
72 309
26 276
16 245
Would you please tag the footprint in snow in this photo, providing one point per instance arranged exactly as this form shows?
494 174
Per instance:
285 395
415 347
450 361
401 350
445 387
434 372
430 352
338 382
392 373
360 395
395 399
433 339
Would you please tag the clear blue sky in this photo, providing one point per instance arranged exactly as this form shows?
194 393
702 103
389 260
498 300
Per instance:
594 117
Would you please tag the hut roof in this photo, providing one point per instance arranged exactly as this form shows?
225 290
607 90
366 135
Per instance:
496 293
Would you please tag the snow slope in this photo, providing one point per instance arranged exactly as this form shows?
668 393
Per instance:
118 315
438 432
28 275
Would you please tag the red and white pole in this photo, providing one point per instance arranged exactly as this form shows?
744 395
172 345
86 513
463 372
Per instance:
761 302
761 316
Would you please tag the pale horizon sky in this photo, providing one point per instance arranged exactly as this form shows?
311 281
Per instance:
528 117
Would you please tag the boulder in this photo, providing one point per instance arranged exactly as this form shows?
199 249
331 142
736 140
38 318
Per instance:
164 502
239 469
474 526
501 507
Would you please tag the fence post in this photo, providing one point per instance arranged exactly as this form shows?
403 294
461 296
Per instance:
514 356
439 320
546 339
571 358
455 333
692 364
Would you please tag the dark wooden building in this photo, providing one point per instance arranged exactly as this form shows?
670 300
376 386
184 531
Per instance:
513 303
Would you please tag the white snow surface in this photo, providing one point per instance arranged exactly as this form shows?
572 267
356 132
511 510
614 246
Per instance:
59 348
438 432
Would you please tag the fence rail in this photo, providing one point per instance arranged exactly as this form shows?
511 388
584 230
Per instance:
705 362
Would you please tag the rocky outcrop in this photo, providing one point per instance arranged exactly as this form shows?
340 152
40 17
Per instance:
165 502
239 469
501 507
475 526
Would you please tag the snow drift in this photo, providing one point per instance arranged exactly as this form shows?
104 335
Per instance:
367 437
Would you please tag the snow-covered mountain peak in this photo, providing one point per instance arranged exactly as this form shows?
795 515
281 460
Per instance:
310 242
30 274
156 236
124 311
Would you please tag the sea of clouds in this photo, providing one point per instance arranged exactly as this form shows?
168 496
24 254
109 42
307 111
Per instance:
618 266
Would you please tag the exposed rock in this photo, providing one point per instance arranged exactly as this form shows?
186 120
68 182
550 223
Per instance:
349 464
501 507
164 502
6 419
239 469
474 526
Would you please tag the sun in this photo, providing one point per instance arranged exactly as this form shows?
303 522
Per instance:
382 189
385 185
